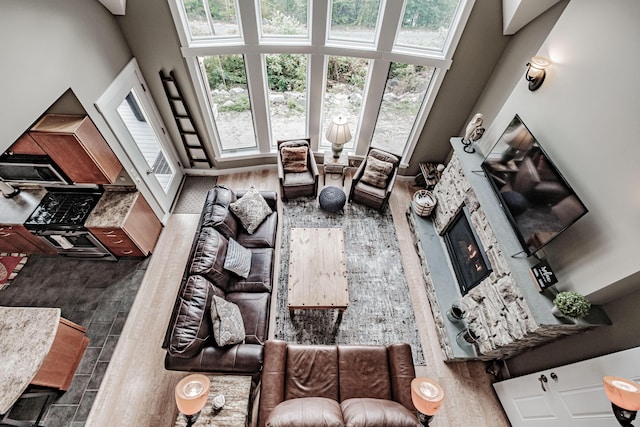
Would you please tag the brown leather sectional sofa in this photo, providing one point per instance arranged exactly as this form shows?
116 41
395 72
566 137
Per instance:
189 339
338 385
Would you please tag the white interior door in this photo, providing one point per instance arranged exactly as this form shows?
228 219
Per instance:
573 395
133 118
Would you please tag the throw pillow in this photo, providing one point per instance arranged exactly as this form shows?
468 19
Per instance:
238 259
228 327
376 172
318 411
251 209
294 159
374 412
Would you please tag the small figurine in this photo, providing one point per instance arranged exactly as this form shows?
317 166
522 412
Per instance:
473 133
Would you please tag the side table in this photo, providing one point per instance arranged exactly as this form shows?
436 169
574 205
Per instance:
335 166
235 412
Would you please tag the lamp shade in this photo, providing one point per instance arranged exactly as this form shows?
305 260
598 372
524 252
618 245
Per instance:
338 132
427 395
622 392
191 393
539 63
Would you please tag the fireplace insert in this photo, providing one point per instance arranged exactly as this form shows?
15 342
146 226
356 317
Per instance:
467 255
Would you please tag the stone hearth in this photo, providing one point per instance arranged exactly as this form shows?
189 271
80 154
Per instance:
505 310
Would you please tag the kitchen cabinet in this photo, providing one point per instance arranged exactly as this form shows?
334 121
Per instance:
16 238
77 147
26 145
125 223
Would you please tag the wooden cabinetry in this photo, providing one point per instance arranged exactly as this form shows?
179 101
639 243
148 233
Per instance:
76 146
125 224
26 145
16 238
62 361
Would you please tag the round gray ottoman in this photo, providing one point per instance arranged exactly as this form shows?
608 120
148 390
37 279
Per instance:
332 199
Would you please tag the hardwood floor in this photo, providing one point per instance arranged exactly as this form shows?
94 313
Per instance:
137 390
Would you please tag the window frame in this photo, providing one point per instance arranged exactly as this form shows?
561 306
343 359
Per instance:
317 48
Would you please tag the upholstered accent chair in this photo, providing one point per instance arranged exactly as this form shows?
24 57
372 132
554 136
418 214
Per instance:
297 169
373 181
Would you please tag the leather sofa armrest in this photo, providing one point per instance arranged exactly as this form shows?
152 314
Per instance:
401 371
238 359
272 388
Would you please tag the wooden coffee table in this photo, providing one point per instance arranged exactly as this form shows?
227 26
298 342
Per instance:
317 270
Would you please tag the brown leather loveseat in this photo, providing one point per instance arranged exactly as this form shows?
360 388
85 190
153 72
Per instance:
336 385
189 339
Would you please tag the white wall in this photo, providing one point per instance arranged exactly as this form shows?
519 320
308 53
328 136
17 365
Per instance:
48 47
584 116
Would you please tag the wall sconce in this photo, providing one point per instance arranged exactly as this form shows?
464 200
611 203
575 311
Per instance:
427 396
625 398
536 71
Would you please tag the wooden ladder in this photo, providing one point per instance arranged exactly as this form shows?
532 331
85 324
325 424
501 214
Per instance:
189 134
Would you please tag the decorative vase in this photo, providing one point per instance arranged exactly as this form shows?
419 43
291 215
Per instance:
467 338
455 313
556 312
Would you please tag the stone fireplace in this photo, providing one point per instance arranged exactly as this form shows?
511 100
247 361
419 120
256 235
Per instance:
466 253
504 308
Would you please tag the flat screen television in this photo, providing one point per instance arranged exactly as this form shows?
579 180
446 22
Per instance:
539 203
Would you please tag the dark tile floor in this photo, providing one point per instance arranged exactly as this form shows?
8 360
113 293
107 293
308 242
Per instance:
95 294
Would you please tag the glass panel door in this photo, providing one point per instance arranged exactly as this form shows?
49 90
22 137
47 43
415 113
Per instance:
136 120
145 151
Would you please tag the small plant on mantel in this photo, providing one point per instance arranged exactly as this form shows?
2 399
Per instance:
572 304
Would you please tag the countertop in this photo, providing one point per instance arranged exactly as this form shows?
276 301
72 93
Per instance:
112 209
16 210
26 336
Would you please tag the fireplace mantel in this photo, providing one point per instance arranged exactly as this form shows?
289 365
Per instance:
506 307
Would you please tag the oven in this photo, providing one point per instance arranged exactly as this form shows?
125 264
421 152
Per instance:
59 221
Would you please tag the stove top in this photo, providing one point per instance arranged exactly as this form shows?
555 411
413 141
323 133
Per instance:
63 210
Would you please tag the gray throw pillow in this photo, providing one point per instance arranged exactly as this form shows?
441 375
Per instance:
376 172
238 259
251 209
228 327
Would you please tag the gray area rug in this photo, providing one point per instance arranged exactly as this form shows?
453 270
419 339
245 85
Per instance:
193 194
380 310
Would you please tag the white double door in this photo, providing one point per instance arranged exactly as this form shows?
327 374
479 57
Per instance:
570 395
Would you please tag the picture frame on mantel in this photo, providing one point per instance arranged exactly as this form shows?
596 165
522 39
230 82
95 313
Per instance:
543 275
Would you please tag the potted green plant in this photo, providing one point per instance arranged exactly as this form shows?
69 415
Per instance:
571 304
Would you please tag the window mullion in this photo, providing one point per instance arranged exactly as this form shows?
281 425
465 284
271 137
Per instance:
316 81
389 25
248 21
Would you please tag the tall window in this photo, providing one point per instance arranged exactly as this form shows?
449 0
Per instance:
354 20
404 94
283 18
230 106
287 80
344 87
267 70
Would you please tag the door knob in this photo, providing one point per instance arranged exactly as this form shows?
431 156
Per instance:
543 379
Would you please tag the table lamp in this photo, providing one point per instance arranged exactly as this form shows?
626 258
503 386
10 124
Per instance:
427 396
625 398
338 134
191 396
